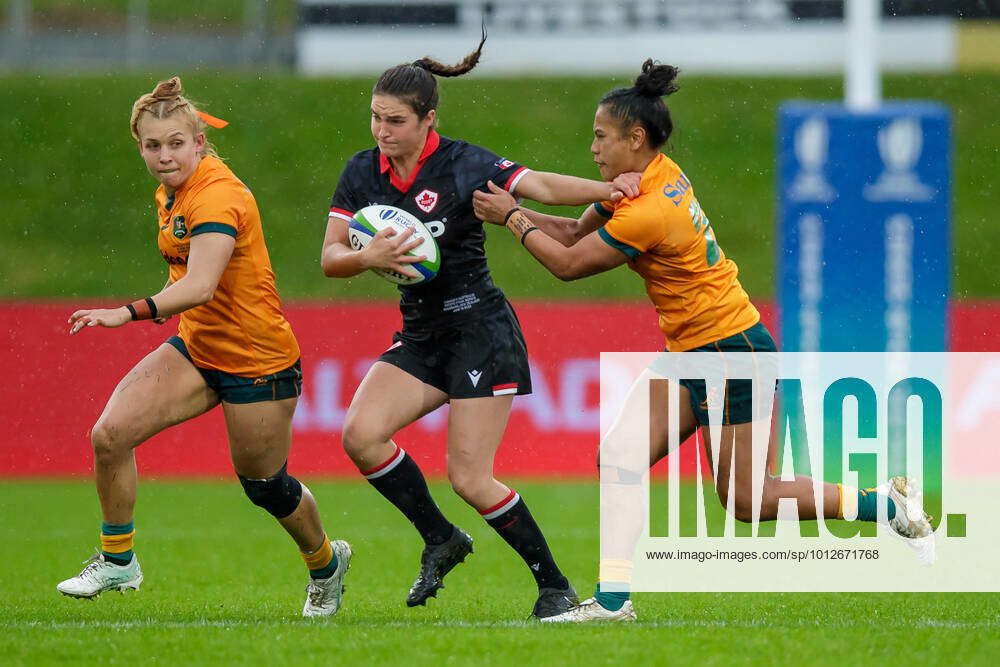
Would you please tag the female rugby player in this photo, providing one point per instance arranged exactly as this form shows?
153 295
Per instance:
233 347
461 342
666 238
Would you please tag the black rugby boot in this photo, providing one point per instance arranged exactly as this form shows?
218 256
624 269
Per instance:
437 561
554 601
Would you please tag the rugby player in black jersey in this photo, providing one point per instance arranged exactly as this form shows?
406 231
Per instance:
461 342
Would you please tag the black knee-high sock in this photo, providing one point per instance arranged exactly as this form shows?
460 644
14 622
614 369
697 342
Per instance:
399 479
512 520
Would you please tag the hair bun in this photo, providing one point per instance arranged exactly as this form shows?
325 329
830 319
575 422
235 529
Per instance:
168 90
656 80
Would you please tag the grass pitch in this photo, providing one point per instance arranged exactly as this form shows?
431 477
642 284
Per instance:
225 585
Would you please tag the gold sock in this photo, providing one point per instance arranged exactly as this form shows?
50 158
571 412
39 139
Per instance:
320 558
617 571
117 544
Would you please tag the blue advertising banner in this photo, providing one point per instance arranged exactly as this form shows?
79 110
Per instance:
864 237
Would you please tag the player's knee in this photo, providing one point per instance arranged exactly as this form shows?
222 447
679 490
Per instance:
359 436
106 440
466 484
279 494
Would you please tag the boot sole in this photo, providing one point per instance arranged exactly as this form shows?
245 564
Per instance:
121 588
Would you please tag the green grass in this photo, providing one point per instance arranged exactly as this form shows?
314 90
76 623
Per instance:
78 217
223 584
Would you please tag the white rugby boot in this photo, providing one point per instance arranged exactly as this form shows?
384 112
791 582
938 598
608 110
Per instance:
100 575
591 610
323 596
910 522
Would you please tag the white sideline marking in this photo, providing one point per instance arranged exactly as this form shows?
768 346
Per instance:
154 623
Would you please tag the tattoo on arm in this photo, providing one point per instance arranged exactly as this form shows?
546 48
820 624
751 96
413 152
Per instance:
518 224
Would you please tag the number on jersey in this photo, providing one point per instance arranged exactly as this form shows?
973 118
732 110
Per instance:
701 222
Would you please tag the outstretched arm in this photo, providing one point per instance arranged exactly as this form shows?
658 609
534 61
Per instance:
560 190
210 253
586 258
589 256
494 205
567 230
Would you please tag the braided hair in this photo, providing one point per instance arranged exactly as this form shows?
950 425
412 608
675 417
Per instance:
167 99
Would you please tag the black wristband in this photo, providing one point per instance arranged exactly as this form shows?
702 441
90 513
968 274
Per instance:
526 232
152 307
131 311
510 213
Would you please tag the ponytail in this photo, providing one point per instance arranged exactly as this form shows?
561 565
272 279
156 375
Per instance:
414 83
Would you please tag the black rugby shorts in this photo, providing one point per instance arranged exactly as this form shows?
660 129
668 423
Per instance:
483 357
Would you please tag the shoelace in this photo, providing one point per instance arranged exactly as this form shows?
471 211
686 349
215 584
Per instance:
315 593
92 564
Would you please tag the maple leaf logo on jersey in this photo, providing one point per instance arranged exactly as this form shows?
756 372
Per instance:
504 163
426 200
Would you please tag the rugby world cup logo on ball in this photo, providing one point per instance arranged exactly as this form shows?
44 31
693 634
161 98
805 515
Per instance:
367 222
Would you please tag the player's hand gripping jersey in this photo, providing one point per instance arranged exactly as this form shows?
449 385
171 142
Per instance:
242 329
670 243
439 194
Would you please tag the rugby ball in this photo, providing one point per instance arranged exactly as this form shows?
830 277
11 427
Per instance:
371 219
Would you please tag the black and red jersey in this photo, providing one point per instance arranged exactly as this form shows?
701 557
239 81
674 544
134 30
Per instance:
438 193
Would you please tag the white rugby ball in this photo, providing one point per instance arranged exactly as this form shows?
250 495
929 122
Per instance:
371 219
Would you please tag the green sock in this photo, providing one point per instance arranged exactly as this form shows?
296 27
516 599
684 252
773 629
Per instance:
611 601
868 505
113 538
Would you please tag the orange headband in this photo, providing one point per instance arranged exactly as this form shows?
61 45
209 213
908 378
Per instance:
212 121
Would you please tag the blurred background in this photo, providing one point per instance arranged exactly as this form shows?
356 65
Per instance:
294 80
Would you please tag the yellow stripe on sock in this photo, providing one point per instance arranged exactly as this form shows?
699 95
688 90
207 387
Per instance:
320 558
619 571
117 544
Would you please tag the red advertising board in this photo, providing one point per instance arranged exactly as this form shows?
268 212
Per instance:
61 383
58 385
